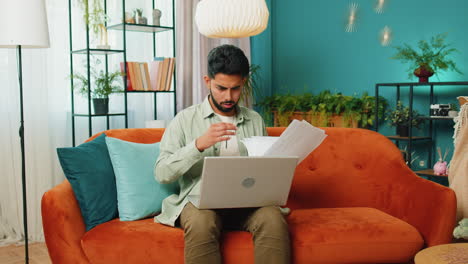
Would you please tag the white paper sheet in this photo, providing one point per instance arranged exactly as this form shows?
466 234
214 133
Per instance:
299 139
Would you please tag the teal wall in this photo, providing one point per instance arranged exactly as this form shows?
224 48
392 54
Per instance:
306 49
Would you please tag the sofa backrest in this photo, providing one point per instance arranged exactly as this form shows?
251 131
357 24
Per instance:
138 135
347 169
352 167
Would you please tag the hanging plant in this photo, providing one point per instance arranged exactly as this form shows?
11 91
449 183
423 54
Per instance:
94 16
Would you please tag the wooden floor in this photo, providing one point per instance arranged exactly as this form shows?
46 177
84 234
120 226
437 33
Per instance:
13 254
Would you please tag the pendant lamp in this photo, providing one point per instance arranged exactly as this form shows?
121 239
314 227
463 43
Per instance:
231 18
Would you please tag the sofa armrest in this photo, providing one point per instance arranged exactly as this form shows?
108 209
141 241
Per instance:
63 225
428 206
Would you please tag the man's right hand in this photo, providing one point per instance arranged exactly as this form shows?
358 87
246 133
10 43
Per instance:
216 133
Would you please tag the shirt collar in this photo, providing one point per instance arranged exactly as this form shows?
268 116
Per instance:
207 111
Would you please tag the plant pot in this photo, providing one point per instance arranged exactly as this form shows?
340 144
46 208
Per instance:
101 106
296 115
423 72
341 121
403 131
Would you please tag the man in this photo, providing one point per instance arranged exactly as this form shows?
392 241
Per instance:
212 128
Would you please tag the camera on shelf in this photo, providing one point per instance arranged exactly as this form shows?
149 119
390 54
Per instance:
439 110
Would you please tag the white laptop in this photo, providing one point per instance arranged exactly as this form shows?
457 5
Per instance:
234 182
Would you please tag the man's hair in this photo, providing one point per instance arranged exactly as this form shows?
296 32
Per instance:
227 59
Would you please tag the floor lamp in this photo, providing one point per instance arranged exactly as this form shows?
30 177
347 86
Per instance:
23 24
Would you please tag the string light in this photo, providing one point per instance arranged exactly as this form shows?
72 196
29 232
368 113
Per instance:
352 18
379 6
385 36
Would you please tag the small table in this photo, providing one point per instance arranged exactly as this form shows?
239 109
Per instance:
456 253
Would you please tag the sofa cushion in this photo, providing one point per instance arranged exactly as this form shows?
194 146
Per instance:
326 235
89 170
138 193
145 241
351 235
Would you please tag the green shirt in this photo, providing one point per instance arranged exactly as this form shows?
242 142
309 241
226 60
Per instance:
180 160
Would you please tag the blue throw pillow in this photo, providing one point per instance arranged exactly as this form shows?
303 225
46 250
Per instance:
89 170
138 193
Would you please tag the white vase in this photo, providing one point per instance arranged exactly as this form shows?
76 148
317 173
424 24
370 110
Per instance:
157 17
453 113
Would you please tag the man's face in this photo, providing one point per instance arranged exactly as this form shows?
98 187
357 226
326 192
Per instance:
225 92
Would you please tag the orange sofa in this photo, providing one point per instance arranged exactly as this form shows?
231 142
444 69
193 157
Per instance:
353 200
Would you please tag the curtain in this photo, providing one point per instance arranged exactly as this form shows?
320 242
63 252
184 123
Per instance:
46 89
47 125
192 52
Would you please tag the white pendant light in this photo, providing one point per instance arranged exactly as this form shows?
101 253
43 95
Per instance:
231 18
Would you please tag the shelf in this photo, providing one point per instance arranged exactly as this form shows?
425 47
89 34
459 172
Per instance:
149 91
421 84
97 51
407 138
436 117
140 28
429 172
86 115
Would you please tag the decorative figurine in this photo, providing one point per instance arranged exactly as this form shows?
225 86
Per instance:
140 19
129 18
157 17
440 168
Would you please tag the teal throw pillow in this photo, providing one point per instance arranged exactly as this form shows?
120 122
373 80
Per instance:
89 170
139 195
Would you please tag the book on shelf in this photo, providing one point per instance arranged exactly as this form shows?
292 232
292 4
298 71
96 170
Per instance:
165 66
139 81
147 76
144 84
156 75
156 71
161 73
170 74
129 86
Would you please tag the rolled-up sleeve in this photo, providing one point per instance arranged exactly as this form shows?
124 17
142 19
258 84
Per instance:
176 157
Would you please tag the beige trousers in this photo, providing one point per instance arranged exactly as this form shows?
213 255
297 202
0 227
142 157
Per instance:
202 229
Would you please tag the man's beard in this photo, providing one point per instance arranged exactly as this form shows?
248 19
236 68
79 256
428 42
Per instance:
220 107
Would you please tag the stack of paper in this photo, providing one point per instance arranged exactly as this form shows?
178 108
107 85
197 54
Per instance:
257 146
299 139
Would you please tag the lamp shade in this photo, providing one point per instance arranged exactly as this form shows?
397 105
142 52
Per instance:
231 18
23 22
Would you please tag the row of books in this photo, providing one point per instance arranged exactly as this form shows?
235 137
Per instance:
156 75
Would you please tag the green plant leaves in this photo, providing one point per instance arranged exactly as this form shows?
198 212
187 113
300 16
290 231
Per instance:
400 115
326 104
434 54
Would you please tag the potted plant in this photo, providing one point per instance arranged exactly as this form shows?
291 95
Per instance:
453 110
433 57
250 90
105 83
324 109
95 17
400 117
366 115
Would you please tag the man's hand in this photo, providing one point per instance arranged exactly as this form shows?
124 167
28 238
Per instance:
216 133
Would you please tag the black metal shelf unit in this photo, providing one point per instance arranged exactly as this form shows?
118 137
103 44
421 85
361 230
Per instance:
124 27
411 139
